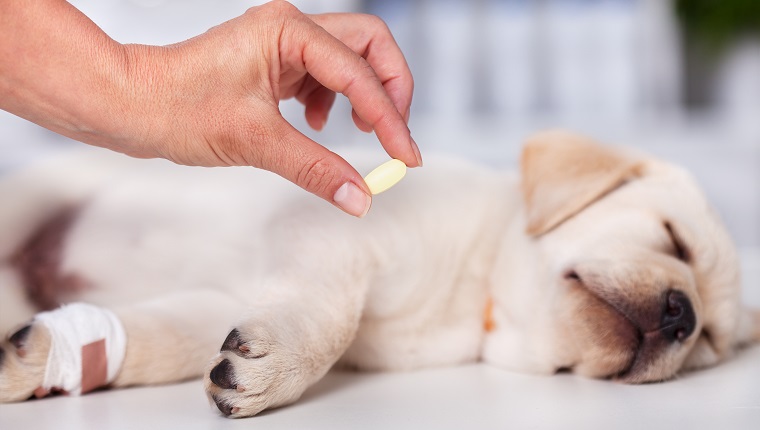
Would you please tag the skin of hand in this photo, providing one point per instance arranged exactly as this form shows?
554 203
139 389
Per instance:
213 100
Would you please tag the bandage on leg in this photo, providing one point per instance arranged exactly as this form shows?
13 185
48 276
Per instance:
87 348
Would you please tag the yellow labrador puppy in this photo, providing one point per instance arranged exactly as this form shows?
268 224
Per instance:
597 260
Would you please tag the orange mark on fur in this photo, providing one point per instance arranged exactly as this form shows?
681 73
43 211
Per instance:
489 324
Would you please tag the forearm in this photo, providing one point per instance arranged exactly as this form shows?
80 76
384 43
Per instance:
59 70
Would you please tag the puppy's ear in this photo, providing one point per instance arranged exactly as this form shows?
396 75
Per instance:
563 172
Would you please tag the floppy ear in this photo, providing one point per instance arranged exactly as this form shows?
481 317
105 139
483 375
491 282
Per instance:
563 172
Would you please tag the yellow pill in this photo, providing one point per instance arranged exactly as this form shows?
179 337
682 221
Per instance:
385 176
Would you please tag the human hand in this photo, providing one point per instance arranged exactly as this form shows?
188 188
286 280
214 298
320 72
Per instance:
213 100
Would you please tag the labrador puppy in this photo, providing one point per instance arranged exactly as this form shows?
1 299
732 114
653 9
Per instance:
597 260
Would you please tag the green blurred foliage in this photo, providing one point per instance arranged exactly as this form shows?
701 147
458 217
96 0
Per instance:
718 22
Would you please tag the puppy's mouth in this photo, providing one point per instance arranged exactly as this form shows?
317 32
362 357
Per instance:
636 372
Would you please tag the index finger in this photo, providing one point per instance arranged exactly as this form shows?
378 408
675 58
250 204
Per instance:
337 67
370 37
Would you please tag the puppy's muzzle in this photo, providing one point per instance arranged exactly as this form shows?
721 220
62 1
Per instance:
660 320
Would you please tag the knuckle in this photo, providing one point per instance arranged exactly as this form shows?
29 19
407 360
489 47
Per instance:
275 13
362 74
282 8
376 23
316 175
253 143
367 71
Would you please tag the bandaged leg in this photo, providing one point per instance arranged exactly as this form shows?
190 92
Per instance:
88 345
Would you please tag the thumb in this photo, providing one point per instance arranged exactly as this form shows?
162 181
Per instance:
316 169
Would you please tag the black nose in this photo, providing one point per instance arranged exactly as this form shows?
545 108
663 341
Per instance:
678 319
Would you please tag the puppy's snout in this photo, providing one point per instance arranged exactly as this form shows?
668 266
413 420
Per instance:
678 318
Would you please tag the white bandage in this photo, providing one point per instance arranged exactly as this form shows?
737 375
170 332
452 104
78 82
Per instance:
78 330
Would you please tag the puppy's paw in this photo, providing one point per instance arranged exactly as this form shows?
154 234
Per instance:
23 358
257 370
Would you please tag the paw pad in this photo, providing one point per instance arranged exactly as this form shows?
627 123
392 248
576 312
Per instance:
222 375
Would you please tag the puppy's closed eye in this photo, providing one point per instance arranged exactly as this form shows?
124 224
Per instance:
680 250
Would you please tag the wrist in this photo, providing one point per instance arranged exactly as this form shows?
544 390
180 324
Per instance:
98 102
59 70
136 83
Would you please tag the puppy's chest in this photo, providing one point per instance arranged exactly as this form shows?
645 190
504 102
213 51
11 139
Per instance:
445 275
414 319
438 284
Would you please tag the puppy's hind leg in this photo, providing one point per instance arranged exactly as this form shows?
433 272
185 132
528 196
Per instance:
75 348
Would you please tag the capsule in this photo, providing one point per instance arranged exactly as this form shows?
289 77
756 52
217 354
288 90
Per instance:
385 176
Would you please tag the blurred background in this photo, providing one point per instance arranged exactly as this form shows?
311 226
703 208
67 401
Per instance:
678 78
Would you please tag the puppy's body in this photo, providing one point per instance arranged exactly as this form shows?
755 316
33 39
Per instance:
183 256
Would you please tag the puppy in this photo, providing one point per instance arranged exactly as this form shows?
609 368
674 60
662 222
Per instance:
597 260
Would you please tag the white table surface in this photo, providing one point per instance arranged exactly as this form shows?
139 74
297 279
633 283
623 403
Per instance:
474 396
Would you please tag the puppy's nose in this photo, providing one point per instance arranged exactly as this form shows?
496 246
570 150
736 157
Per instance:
678 319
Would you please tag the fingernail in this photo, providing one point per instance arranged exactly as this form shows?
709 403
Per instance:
416 151
352 199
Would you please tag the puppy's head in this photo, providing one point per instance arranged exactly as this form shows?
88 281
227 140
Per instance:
643 277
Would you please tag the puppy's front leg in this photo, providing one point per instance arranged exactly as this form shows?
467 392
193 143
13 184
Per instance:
170 339
289 340
81 347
